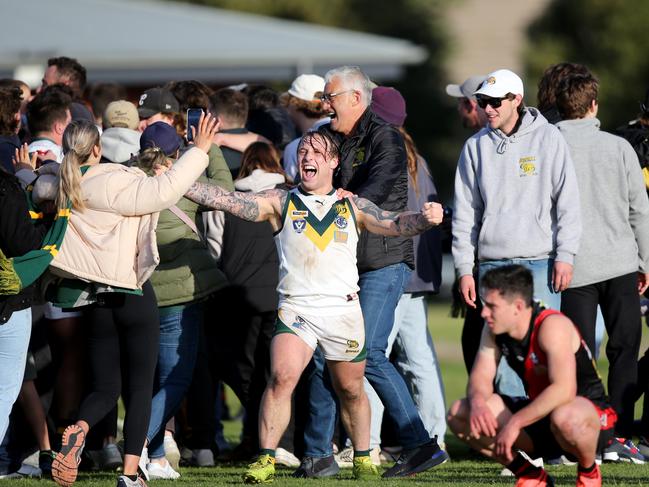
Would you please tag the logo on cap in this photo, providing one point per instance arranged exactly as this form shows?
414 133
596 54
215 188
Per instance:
491 80
142 98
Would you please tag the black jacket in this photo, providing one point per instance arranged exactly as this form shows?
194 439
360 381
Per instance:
373 165
8 146
17 237
250 262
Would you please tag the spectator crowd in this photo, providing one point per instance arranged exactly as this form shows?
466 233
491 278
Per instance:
152 257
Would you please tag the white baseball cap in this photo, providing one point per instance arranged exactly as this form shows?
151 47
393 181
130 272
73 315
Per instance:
306 86
499 83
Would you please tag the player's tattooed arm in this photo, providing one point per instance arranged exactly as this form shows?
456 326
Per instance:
391 223
254 207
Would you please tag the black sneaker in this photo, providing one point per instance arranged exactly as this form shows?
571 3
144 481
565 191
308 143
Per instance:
314 467
417 460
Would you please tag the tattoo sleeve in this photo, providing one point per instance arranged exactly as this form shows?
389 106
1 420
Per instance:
406 224
248 206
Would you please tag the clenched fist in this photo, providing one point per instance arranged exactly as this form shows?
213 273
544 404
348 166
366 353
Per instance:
433 212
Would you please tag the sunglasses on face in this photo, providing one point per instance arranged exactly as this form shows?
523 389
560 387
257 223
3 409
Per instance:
483 101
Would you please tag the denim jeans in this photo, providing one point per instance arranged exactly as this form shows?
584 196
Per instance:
417 362
179 332
14 339
380 291
507 381
321 423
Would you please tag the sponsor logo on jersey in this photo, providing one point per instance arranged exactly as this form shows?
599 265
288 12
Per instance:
340 208
340 237
299 214
341 222
352 346
299 225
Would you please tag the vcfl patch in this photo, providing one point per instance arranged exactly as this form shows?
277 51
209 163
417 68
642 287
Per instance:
299 225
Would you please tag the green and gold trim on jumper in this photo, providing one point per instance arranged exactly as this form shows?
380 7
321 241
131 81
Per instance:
319 231
281 327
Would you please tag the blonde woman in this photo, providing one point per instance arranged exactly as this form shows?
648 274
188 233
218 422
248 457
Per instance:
108 253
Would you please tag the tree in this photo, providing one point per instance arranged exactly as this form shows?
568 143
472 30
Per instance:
605 35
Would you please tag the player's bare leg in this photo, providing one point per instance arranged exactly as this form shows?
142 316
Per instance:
576 427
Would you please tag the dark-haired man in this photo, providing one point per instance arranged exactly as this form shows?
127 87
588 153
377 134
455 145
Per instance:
157 105
612 266
472 116
516 199
567 411
48 114
316 236
65 71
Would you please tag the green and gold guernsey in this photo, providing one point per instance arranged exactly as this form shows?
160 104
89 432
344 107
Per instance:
317 253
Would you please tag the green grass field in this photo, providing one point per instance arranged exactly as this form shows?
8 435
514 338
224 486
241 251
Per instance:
465 468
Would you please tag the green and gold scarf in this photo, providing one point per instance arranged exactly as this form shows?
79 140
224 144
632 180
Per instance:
16 273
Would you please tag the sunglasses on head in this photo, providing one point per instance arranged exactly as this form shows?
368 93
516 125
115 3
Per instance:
483 101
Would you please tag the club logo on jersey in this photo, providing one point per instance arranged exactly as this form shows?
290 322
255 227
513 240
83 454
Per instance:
341 222
340 208
527 166
340 237
534 358
299 225
352 346
299 214
299 322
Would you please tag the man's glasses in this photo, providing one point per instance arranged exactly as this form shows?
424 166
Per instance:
327 97
483 101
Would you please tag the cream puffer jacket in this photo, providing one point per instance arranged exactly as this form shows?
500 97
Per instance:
113 240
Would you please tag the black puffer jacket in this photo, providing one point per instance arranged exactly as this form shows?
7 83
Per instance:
373 165
17 237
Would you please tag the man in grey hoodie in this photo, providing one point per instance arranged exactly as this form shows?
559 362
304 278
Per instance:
516 200
612 266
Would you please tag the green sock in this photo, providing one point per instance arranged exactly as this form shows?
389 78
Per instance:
361 453
267 451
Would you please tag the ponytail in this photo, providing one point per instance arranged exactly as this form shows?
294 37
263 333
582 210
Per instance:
79 138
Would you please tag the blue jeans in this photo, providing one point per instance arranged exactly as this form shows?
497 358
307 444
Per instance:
507 381
380 291
14 339
179 332
417 362
321 423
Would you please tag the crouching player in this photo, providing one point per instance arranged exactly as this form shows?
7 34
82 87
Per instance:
567 411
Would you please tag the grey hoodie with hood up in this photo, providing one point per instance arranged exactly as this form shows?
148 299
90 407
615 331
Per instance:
516 197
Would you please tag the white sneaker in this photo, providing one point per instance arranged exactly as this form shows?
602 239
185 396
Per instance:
158 471
286 458
144 461
375 455
26 471
345 459
172 453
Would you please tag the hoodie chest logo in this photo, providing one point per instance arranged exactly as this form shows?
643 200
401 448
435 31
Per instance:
527 167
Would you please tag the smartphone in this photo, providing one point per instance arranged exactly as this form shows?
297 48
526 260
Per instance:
193 116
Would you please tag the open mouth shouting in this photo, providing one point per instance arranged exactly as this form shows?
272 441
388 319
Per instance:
309 171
